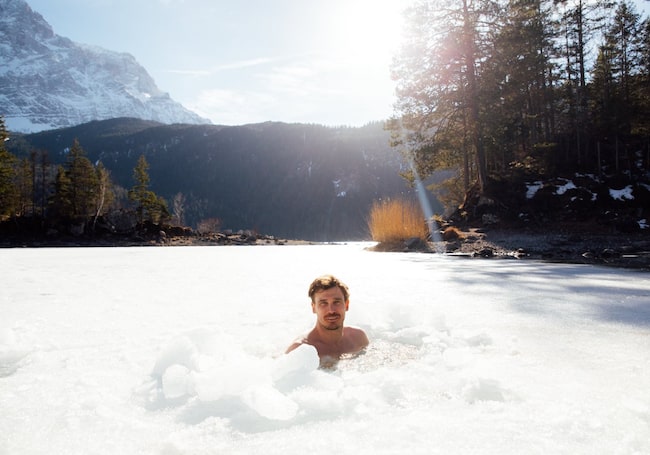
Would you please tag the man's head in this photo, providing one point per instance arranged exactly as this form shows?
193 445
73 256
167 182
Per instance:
329 301
326 282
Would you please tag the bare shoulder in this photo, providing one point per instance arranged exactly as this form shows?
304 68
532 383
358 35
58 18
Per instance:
357 337
297 343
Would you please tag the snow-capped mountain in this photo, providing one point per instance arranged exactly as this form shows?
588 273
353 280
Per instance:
48 81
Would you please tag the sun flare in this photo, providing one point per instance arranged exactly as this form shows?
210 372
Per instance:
367 30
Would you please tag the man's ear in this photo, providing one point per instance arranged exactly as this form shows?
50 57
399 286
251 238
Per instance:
313 307
347 304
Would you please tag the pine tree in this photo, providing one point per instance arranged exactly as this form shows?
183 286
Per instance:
43 179
518 80
641 123
149 206
618 61
25 187
61 201
581 20
77 187
440 111
8 190
83 182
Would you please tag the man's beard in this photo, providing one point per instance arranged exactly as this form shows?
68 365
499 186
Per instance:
334 324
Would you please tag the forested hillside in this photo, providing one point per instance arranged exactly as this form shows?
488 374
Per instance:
289 180
539 89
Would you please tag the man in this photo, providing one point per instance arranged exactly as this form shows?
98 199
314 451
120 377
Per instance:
330 300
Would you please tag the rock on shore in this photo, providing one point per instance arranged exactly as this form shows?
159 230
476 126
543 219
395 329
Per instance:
631 250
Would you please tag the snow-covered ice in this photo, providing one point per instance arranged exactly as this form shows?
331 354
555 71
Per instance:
179 350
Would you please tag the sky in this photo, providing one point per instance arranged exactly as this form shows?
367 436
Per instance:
237 62
179 351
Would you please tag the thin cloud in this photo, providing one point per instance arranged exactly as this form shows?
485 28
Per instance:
314 76
188 72
219 68
294 89
243 64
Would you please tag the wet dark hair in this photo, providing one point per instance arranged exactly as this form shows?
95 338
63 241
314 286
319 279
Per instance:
325 282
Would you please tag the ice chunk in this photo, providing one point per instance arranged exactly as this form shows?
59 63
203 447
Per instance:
301 360
10 361
11 356
482 389
229 378
268 402
175 381
481 339
409 335
181 351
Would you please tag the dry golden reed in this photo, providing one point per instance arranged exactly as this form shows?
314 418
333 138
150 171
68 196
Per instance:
396 220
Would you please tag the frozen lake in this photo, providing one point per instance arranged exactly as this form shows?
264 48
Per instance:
179 350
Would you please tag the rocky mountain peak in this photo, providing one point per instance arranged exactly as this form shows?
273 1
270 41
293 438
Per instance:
24 30
48 81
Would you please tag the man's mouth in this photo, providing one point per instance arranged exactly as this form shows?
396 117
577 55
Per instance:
332 317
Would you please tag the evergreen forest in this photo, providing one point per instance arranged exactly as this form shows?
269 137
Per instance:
515 89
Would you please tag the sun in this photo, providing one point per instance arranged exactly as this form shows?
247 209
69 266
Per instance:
368 30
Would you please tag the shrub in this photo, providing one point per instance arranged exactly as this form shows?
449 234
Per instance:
396 220
208 226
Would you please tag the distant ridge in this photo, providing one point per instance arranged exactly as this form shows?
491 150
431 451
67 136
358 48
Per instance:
48 81
292 181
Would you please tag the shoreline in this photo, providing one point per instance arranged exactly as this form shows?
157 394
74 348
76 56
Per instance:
624 250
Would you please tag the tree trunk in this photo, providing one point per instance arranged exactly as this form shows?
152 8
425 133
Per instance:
473 99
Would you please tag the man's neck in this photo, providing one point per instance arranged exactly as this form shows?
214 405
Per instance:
332 337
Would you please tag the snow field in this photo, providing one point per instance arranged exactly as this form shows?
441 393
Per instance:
179 351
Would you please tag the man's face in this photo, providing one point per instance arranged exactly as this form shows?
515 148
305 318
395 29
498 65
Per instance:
330 307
